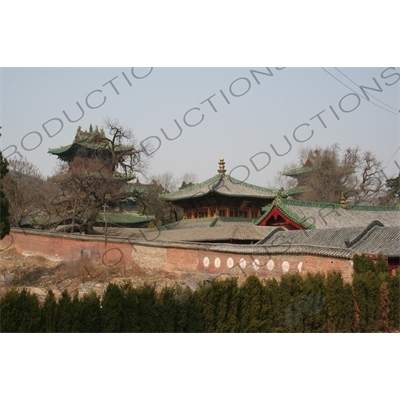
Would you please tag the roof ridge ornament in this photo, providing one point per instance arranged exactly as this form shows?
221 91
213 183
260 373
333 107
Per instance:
343 202
221 169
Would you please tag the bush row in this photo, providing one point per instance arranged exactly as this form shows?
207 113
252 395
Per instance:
311 303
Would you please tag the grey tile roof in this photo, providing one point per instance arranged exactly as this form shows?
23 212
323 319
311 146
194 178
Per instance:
384 241
324 216
224 232
373 239
201 230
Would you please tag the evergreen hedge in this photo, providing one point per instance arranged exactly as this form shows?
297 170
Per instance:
311 303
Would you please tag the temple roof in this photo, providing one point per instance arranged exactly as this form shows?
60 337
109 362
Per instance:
91 141
306 167
371 239
126 218
224 185
209 230
298 171
324 216
338 242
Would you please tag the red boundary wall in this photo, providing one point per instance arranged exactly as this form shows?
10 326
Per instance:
203 258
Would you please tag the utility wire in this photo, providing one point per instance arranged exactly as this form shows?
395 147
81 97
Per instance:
348 87
395 109
391 158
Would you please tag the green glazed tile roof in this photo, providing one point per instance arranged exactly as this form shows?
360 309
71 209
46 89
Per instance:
298 171
95 140
224 185
123 218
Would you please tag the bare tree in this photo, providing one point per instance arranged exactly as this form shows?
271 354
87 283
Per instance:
322 174
84 190
188 179
127 156
370 182
27 190
152 204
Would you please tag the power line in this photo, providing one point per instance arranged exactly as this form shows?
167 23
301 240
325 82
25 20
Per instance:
348 87
392 157
395 109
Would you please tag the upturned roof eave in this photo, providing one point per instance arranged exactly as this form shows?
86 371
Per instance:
91 146
298 171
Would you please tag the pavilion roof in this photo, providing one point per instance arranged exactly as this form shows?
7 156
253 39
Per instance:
224 185
324 215
94 141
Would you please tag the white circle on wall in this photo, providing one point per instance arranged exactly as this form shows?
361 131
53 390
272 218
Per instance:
270 265
229 262
217 262
285 266
206 262
256 264
242 263
300 266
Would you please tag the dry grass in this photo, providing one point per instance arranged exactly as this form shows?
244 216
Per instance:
40 274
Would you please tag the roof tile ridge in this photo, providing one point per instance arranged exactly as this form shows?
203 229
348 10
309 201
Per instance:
365 233
255 187
187 189
280 204
269 235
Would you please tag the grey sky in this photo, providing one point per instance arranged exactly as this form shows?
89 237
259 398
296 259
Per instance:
262 110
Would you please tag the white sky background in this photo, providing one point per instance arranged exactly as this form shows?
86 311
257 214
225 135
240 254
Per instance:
207 34
259 116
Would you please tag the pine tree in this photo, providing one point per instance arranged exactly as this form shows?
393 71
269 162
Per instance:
4 205
308 308
182 305
339 304
367 292
356 311
381 265
30 315
167 305
49 313
220 306
89 313
252 305
394 301
147 309
131 308
76 306
290 291
362 264
228 306
384 308
194 310
273 306
112 309
65 316
10 312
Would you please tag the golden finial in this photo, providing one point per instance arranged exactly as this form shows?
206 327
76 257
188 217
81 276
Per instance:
222 169
343 202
